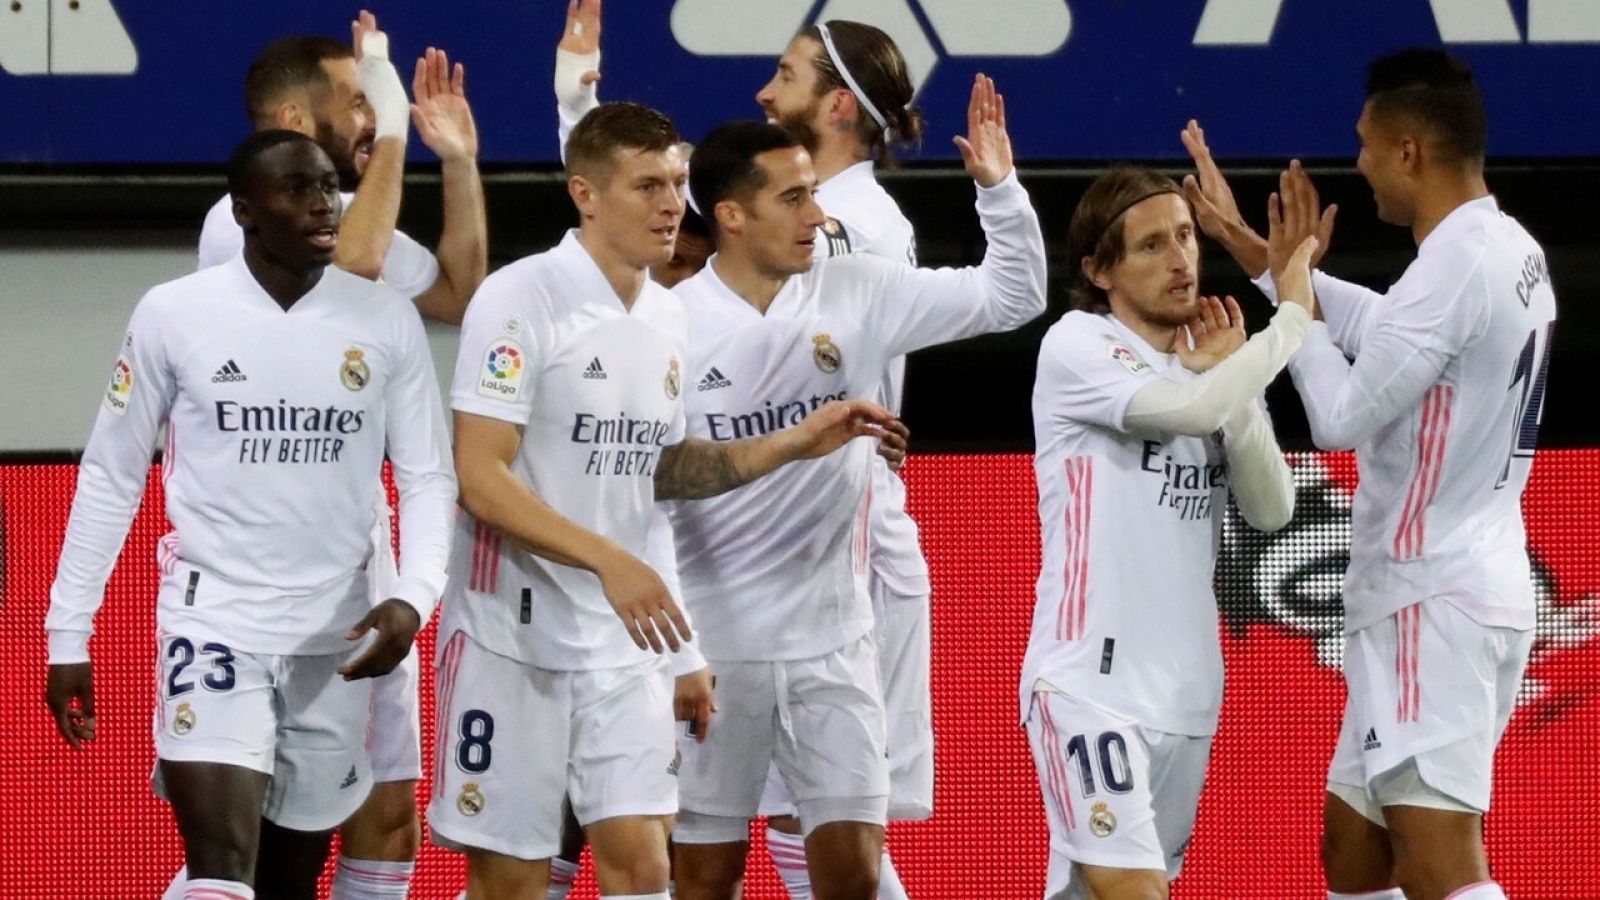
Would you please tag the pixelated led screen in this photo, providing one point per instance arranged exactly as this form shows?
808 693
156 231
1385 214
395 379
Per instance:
85 825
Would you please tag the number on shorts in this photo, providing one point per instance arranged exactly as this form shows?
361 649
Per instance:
1115 772
473 753
222 679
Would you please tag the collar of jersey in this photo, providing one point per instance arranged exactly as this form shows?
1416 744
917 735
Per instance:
737 305
1459 219
591 280
258 295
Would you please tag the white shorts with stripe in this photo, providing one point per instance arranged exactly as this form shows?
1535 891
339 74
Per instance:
1117 794
514 740
1431 685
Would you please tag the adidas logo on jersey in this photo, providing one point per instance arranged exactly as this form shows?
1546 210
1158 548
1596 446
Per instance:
350 779
595 370
1372 742
230 371
714 379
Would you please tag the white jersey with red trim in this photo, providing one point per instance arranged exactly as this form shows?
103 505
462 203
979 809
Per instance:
277 424
1442 405
863 218
409 267
597 387
1125 618
776 569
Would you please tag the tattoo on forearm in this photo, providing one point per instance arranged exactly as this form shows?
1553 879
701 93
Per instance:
695 469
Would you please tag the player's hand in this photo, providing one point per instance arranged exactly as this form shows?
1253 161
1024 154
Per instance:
1207 190
378 79
69 692
1294 284
896 441
643 603
441 113
694 699
397 623
833 425
365 23
1294 213
1216 331
986 150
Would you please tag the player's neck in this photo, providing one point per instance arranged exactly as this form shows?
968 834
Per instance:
837 154
753 284
285 286
1446 195
625 278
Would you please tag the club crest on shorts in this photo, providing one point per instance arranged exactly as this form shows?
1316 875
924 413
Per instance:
1102 821
470 801
183 720
826 354
1129 359
353 372
674 379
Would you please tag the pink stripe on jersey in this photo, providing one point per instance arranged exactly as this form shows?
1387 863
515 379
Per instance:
1072 610
494 562
446 690
1432 432
1055 761
475 581
167 553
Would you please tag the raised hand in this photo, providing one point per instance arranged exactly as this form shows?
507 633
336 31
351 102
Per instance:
581 36
986 150
1293 214
365 23
1294 282
69 692
643 603
1216 331
578 56
441 112
1207 190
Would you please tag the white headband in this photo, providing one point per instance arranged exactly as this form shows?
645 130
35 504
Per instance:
849 80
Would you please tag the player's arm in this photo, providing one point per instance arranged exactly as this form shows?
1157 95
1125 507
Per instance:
577 68
921 307
485 449
694 468
1258 475
419 453
367 227
444 121
111 481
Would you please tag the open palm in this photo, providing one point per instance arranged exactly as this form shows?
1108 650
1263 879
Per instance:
986 150
440 111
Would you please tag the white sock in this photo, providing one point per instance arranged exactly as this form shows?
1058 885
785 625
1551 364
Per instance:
788 853
562 874
1483 890
1390 894
657 896
217 889
889 886
175 889
371 879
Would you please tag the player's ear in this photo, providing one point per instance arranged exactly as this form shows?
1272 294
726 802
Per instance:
730 217
243 215
1094 275
1410 155
294 117
581 190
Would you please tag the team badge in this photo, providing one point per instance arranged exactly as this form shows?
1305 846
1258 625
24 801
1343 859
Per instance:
837 237
183 722
674 379
501 375
120 390
470 801
513 325
1129 359
826 353
353 372
1101 820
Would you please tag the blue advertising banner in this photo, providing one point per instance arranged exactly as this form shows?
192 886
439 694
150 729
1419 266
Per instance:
159 81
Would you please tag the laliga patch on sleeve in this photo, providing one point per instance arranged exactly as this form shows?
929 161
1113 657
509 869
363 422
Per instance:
120 391
503 368
1129 359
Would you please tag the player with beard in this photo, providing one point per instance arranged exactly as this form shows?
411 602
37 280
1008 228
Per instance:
352 103
282 383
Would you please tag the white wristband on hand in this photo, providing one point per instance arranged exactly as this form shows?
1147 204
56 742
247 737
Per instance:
571 92
391 109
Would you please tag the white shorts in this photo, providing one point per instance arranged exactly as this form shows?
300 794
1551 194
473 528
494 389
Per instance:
1430 685
904 643
294 718
395 739
1117 794
514 740
820 720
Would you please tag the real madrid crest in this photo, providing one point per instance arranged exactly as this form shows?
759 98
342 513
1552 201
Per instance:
353 372
470 801
674 379
826 353
1102 821
183 722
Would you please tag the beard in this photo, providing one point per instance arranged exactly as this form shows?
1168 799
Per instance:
798 123
343 154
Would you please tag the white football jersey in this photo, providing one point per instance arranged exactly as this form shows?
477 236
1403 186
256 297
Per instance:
409 267
598 390
777 569
863 218
1124 616
277 422
1442 406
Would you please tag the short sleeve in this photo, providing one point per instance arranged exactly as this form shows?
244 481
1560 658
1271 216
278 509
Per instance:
499 355
1089 373
409 267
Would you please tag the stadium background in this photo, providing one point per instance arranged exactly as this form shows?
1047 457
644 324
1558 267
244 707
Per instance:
111 174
